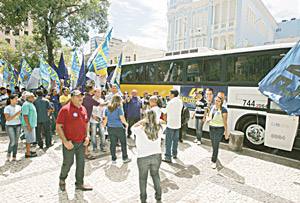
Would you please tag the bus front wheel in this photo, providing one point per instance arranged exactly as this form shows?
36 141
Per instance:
254 130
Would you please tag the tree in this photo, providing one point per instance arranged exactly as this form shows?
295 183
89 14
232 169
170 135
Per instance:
56 19
8 53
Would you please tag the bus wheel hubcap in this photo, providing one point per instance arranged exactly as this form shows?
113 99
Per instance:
255 134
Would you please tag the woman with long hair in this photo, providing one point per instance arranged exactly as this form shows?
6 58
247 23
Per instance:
217 127
114 119
148 134
12 114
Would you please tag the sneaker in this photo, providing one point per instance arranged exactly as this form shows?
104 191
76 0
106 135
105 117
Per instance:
83 187
174 157
126 160
195 140
113 162
199 142
213 165
30 156
167 161
62 185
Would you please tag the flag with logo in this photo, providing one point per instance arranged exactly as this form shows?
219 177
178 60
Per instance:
48 74
117 73
282 83
100 57
25 73
74 70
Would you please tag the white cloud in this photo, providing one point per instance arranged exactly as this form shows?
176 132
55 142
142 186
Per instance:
283 10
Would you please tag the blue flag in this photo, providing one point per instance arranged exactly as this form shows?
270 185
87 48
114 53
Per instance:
48 74
62 70
75 70
282 84
81 77
25 73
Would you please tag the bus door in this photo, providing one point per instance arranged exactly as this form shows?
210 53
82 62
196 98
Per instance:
281 129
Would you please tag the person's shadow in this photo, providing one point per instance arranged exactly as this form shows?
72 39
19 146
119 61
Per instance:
14 166
116 174
78 196
231 174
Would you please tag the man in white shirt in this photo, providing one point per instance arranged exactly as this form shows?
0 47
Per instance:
173 111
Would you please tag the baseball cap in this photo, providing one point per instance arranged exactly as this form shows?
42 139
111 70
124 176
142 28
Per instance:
28 94
76 93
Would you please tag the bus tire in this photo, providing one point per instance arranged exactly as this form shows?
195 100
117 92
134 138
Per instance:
254 131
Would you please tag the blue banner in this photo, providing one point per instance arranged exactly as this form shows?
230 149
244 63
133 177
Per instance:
282 84
187 93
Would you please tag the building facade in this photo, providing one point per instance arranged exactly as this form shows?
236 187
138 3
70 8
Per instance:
288 31
218 24
12 36
130 50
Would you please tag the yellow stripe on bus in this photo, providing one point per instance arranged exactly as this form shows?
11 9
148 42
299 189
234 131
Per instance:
163 90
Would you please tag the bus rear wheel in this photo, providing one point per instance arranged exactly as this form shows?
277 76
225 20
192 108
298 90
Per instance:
254 133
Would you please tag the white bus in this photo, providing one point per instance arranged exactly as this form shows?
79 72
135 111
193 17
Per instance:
236 73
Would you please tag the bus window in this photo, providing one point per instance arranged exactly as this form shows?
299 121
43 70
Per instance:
162 69
151 68
248 68
175 72
128 74
212 69
195 70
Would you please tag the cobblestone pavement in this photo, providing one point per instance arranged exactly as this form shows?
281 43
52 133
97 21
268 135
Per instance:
239 178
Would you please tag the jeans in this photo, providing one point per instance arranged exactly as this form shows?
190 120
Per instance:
94 127
45 129
68 160
172 137
199 130
216 134
13 132
183 131
145 164
115 134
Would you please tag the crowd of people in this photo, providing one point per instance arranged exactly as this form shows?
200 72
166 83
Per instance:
85 121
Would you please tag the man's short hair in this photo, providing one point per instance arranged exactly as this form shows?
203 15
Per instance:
39 93
209 89
174 92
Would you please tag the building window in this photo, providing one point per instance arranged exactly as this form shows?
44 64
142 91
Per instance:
26 33
134 57
217 11
127 58
7 40
278 30
216 43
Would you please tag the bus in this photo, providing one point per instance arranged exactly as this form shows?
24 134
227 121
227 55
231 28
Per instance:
235 72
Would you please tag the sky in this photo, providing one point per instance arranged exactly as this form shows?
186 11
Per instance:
144 22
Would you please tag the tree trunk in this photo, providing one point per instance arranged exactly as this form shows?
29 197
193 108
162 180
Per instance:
50 48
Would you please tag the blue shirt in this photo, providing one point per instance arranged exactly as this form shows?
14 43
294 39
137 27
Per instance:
28 109
55 101
133 108
113 118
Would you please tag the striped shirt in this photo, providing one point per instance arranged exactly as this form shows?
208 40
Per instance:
201 106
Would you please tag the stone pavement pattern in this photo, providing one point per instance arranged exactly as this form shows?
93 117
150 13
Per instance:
189 179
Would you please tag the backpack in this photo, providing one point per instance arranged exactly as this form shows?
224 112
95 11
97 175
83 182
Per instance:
185 115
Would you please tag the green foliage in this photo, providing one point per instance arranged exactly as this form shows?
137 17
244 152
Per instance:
56 19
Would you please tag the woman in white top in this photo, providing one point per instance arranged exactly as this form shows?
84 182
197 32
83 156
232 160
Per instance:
148 143
12 114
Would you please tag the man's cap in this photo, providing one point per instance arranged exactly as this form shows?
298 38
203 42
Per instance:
76 93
